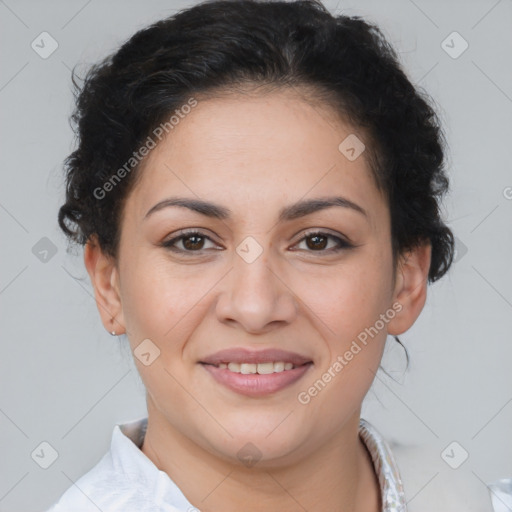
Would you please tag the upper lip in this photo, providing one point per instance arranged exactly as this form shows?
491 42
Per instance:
243 355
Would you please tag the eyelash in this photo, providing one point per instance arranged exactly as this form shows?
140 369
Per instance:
342 244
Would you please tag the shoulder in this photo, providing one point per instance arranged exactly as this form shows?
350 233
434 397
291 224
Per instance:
99 489
124 479
424 479
431 484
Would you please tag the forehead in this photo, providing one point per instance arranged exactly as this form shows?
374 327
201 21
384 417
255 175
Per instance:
267 148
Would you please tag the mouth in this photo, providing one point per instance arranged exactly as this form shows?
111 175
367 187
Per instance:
257 379
256 373
264 368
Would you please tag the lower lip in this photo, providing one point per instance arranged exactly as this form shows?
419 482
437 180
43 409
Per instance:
254 384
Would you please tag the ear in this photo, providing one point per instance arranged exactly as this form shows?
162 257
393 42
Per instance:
411 287
104 275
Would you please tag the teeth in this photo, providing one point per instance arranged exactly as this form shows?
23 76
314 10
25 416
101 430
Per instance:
265 368
234 367
260 368
279 367
248 368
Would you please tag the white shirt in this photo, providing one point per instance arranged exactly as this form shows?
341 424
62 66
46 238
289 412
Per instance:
126 480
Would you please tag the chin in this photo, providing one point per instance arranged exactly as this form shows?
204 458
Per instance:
260 444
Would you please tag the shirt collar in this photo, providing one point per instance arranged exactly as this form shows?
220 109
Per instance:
386 468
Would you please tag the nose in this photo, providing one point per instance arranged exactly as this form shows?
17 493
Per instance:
255 296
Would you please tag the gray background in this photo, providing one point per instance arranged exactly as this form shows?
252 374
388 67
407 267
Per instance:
67 382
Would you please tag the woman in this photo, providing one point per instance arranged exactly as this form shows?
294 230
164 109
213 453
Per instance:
257 186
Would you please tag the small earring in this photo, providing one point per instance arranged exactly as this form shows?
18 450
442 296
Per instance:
113 333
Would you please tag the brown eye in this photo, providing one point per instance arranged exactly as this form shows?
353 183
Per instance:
319 242
191 241
316 241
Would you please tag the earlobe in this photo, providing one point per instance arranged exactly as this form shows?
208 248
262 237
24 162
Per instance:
410 287
104 277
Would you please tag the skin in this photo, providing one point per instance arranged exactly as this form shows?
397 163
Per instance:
254 155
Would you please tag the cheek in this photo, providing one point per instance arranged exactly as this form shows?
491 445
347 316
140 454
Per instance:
355 340
153 299
350 300
360 321
166 308
160 308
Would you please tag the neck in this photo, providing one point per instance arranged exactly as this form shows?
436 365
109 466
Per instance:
336 476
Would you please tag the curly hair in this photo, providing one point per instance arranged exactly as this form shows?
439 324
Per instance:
220 45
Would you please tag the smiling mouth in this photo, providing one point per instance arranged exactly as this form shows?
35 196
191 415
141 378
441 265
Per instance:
259 368
257 380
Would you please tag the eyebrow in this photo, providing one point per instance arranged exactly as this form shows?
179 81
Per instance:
290 212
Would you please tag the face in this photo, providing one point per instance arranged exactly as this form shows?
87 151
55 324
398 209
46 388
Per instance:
258 276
